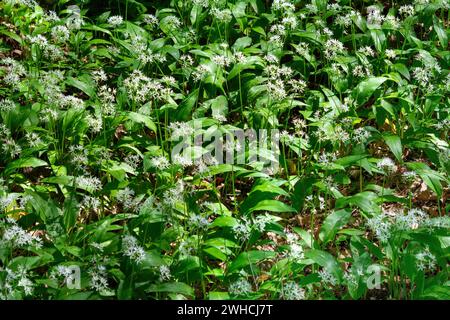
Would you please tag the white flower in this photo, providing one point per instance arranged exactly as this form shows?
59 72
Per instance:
164 273
40 40
15 236
224 15
60 34
242 230
422 75
126 197
283 5
261 221
88 182
199 221
240 287
51 16
381 226
173 22
221 60
7 105
159 162
367 51
333 47
182 160
291 238
292 291
71 102
390 54
297 252
409 176
180 129
374 16
132 249
406 10
99 280
327 277
425 260
115 20
359 71
387 165
151 20
361 135
74 22
412 220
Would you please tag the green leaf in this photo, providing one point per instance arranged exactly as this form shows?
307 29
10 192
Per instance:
333 223
365 89
326 260
24 163
430 177
249 258
379 39
70 212
62 180
395 144
219 106
184 110
141 118
242 43
272 205
172 287
82 85
363 200
440 31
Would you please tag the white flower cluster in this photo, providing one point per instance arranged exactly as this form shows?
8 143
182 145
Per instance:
127 199
60 34
292 291
164 273
387 165
180 130
240 287
16 237
242 229
99 278
15 282
141 88
333 47
174 195
361 135
425 260
115 21
223 15
199 221
88 182
14 71
7 105
327 277
386 224
132 249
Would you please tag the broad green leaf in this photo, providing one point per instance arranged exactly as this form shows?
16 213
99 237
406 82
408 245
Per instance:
395 144
326 260
440 31
272 205
24 163
82 85
141 118
172 287
333 223
365 89
249 258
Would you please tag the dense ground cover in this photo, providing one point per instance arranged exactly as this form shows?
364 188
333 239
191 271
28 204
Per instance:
94 98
